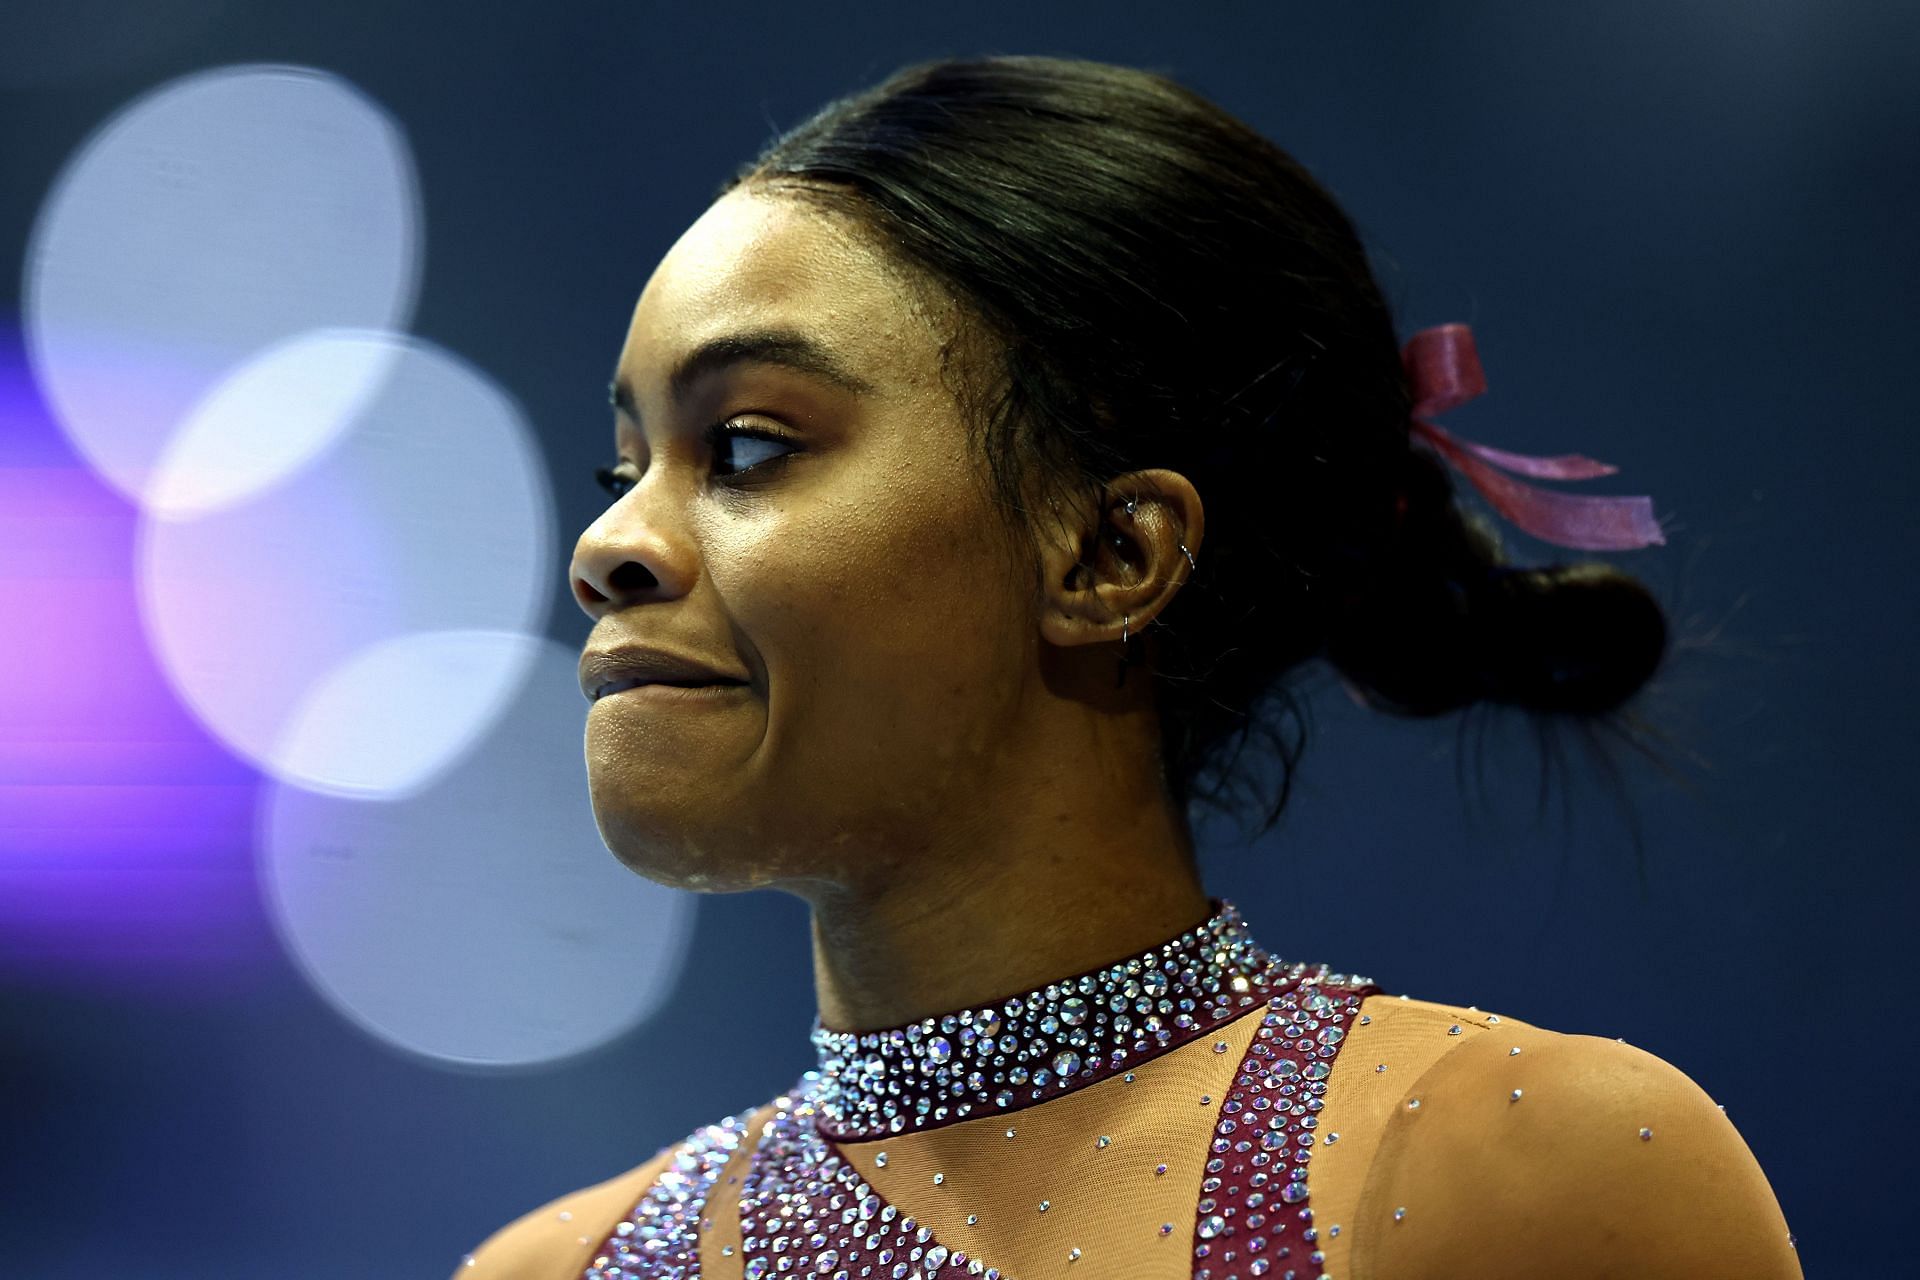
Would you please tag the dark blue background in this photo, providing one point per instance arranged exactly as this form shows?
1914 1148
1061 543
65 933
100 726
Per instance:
1683 235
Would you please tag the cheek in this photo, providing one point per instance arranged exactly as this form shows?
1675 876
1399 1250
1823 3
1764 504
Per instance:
891 652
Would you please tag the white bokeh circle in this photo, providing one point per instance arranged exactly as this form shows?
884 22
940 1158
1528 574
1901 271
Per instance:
268 417
218 214
480 921
429 511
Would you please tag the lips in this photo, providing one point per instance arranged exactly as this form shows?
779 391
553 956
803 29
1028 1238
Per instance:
612 670
621 686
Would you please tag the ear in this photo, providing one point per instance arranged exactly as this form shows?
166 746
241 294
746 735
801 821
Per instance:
1107 570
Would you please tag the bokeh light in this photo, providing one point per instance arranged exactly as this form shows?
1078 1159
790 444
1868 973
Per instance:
480 921
446 687
269 417
429 512
219 214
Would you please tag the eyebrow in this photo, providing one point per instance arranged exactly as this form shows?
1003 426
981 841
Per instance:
787 348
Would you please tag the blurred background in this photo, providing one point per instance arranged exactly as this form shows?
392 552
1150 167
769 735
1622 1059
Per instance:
311 960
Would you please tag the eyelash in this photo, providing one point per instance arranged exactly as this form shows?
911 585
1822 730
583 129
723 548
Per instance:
714 436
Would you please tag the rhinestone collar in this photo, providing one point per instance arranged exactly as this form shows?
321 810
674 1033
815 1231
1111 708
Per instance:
1013 1052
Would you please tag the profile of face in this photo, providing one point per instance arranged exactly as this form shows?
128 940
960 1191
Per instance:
807 516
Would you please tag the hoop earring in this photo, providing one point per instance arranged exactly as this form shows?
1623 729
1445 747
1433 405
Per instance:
1126 619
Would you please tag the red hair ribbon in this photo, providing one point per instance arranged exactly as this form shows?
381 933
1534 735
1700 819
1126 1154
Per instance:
1444 369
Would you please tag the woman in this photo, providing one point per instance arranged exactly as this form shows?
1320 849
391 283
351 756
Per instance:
988 452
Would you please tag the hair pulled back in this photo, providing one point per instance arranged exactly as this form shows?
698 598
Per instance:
1160 285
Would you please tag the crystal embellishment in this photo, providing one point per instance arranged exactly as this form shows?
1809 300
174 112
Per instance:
807 1213
1038 1044
1262 1209
662 1233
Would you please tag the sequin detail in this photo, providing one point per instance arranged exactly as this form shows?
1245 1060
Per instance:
1027 1048
806 1210
1260 1219
660 1238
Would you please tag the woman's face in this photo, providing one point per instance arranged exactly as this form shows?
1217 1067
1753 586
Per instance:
852 572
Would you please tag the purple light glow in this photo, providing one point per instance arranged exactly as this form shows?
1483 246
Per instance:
125 831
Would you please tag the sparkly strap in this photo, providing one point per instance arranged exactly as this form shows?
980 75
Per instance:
1267 1132
660 1236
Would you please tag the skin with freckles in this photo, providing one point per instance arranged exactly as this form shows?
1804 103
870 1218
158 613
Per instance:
930 748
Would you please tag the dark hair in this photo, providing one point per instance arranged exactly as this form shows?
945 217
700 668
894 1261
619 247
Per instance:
1161 286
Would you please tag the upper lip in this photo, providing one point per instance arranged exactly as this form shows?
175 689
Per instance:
647 665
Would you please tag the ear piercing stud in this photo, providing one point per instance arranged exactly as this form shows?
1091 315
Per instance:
1126 619
1192 568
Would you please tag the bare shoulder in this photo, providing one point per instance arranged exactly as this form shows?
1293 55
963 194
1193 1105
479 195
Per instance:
1403 1016
558 1240
1523 1151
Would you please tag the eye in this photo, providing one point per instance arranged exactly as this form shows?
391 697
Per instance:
723 435
720 438
613 482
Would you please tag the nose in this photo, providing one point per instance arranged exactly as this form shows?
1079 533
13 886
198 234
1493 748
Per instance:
598 591
624 559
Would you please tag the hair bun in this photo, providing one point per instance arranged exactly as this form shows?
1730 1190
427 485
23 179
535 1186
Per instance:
1575 638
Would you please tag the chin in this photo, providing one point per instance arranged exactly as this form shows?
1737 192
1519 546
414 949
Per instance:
674 854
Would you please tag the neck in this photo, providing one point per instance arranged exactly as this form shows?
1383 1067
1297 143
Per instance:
1063 854
999 924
